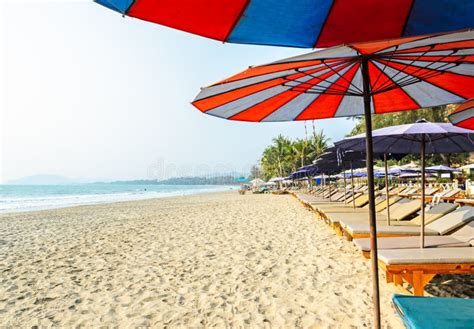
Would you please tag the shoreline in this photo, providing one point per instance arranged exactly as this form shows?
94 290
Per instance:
179 193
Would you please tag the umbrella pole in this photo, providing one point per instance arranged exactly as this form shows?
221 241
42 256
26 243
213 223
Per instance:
345 185
352 183
386 188
370 181
323 182
330 189
423 179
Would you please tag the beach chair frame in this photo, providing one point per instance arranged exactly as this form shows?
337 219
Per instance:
419 275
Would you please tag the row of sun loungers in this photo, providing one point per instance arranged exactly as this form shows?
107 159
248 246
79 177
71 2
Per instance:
449 232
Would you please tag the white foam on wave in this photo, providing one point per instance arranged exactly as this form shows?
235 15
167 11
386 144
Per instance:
33 203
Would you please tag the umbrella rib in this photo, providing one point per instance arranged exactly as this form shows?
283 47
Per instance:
431 72
390 145
411 78
392 79
331 89
313 89
342 91
350 82
457 144
409 81
383 69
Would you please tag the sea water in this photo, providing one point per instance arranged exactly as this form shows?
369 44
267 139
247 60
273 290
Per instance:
16 198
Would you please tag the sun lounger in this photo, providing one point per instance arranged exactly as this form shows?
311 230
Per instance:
361 188
431 214
409 192
327 209
435 312
383 205
453 220
419 266
345 196
361 200
451 193
463 237
355 196
398 212
440 226
395 190
340 217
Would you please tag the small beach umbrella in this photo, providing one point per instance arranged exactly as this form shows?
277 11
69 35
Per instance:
351 80
463 116
257 182
442 169
417 138
302 23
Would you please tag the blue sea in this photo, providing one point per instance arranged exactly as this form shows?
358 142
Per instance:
16 198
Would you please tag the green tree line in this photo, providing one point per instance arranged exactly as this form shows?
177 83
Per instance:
284 155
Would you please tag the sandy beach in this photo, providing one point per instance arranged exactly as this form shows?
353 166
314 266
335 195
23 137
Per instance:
211 260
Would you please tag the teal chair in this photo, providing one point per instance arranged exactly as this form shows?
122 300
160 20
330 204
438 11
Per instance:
435 312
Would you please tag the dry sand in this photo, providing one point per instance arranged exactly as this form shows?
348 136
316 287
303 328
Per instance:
212 260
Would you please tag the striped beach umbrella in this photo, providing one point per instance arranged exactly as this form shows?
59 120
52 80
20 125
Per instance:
463 116
301 23
351 80
400 74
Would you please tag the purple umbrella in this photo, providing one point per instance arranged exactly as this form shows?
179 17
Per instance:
350 155
442 169
338 157
333 161
420 137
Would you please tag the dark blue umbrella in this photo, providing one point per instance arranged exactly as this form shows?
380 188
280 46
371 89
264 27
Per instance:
334 160
347 155
305 172
419 137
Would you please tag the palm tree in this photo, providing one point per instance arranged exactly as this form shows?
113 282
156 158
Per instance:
283 149
284 156
319 143
299 151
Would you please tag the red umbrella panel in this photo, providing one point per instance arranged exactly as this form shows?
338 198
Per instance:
403 74
463 116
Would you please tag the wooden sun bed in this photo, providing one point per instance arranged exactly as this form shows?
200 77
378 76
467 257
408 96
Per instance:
419 266
440 226
348 222
346 207
464 237
412 242
465 202
431 215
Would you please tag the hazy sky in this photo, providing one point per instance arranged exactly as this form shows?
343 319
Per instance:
85 93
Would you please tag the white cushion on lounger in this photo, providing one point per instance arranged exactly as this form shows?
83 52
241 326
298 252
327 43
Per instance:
411 242
427 256
452 220
399 230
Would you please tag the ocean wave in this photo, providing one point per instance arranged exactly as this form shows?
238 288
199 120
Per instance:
19 203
